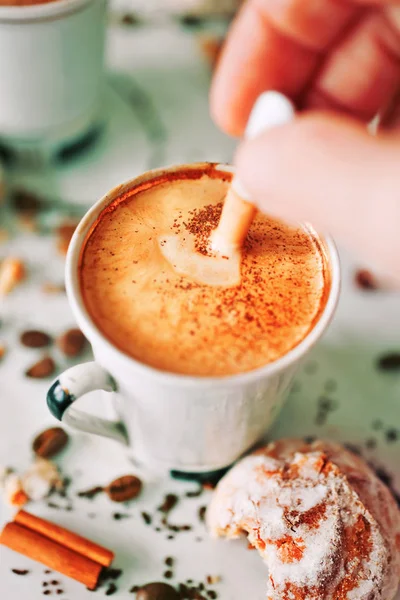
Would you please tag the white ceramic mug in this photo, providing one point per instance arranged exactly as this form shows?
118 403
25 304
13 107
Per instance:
51 73
170 421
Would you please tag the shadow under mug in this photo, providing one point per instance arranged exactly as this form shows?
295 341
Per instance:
174 422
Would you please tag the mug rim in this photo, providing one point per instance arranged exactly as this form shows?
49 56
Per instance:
97 338
40 12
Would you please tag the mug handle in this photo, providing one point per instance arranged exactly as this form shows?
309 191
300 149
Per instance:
72 385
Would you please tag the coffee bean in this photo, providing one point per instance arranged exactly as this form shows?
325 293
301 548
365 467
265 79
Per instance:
50 442
202 513
130 19
147 518
169 561
43 368
157 591
124 488
20 571
168 574
170 501
25 201
389 362
91 493
365 280
112 588
71 343
35 339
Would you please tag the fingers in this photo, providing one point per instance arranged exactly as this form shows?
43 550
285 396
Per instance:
328 171
363 73
273 44
331 54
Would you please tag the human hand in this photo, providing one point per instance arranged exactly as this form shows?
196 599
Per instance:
336 55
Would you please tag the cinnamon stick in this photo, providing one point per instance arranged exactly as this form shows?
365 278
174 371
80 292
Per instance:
236 218
55 556
66 538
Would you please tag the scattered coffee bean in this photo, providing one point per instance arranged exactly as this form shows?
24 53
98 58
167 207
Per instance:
45 583
389 362
168 574
195 493
54 582
191 20
71 343
170 501
47 571
392 435
43 368
59 591
35 339
20 571
110 573
124 488
169 561
130 19
147 518
112 588
50 442
119 516
134 589
365 280
26 201
212 594
157 591
91 493
170 537
202 513
325 407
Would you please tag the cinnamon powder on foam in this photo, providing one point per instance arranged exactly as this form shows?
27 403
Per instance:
170 321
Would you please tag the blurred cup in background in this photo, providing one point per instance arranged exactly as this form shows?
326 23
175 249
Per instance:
51 75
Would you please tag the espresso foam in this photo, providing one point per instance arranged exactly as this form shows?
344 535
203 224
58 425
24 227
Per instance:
170 321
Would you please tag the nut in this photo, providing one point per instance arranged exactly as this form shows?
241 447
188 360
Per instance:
34 338
72 342
124 488
13 491
12 272
40 479
43 368
50 442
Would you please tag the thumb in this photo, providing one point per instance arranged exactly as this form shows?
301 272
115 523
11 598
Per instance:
329 171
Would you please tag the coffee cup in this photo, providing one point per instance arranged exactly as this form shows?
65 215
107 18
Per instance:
51 73
172 421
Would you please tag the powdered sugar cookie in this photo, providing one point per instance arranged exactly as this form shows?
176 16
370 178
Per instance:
326 526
